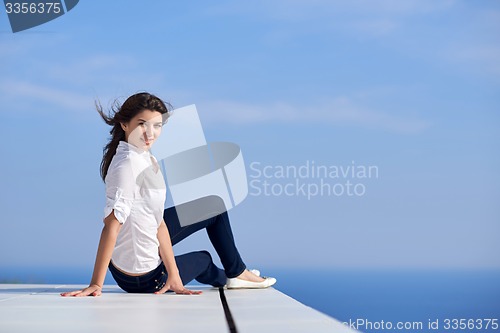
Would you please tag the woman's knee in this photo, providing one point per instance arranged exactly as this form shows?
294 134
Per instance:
205 256
204 259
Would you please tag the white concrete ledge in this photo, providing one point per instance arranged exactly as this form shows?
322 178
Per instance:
39 308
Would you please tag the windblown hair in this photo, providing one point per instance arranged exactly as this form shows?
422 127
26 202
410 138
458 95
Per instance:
123 114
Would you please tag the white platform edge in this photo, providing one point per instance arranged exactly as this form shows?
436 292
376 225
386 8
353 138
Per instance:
39 308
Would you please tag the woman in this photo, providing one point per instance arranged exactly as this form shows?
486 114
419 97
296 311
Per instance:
137 237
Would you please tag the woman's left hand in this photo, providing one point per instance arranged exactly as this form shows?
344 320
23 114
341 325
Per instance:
174 283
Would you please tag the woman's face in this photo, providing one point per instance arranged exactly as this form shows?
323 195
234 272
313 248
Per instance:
143 130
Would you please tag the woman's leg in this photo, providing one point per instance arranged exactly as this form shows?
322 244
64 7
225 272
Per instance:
199 266
220 234
193 265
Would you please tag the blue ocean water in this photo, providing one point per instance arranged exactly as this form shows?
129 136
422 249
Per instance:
405 296
369 299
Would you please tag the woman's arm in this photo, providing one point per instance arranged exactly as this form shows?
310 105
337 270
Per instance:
105 250
174 281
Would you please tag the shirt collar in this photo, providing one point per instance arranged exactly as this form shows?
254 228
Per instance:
125 146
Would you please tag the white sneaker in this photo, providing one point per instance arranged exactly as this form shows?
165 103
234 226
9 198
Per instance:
235 283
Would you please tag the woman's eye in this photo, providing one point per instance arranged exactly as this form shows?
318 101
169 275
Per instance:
158 126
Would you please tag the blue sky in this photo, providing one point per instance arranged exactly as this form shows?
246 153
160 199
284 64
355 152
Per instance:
409 86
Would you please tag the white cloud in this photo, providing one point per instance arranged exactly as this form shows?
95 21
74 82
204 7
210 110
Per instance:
35 93
294 10
72 83
473 44
340 111
89 69
476 47
11 47
486 57
375 27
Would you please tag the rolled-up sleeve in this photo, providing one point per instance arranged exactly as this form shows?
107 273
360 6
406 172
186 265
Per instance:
120 190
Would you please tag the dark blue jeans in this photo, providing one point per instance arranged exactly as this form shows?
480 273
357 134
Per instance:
193 265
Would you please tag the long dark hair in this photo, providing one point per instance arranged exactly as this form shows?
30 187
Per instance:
123 114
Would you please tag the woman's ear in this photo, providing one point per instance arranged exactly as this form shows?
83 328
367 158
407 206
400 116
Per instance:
124 126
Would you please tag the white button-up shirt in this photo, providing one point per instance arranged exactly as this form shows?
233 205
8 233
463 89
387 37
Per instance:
136 192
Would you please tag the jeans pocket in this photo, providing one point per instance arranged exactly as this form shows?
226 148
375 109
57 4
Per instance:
161 280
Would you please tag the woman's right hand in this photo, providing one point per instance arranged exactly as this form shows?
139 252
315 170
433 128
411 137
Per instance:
92 290
104 251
